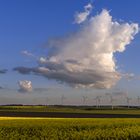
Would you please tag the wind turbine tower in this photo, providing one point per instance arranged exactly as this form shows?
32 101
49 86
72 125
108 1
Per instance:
138 99
98 101
112 100
47 101
128 101
84 100
62 99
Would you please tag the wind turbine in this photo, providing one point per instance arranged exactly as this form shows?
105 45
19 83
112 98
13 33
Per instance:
62 99
95 99
98 101
47 101
128 101
111 100
138 99
84 99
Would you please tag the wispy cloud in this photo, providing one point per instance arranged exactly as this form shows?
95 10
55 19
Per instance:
129 76
27 53
82 16
1 87
23 70
119 93
40 90
3 71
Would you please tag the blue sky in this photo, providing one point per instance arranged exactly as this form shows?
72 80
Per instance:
29 24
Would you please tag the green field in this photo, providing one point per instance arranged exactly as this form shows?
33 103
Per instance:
71 109
69 129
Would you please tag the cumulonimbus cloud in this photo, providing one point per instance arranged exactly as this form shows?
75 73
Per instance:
86 58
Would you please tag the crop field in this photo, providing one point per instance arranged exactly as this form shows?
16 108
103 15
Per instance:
68 129
69 123
70 109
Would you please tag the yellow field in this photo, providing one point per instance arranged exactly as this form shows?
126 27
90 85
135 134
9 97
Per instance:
15 128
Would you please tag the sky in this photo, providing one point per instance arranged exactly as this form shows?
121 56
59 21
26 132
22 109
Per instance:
53 49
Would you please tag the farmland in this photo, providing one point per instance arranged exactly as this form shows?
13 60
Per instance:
68 111
69 123
69 129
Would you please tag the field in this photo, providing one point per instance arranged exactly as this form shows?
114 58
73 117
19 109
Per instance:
69 123
69 112
69 129
71 109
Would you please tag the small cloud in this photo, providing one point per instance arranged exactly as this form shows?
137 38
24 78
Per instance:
129 76
5 88
3 71
119 93
82 16
42 60
23 70
25 86
1 87
40 90
26 53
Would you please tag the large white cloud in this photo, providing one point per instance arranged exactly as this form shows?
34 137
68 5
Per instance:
86 58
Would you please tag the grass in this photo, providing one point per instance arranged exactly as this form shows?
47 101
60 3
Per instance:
69 129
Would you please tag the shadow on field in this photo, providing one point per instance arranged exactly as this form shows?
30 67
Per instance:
66 115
